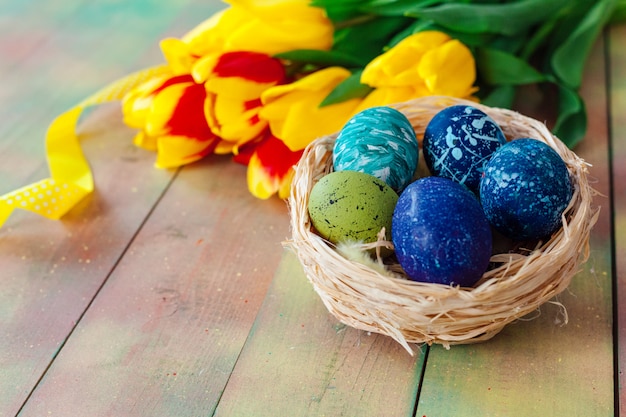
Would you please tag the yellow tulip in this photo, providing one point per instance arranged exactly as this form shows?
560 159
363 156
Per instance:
264 26
270 168
168 110
293 110
234 84
273 26
426 63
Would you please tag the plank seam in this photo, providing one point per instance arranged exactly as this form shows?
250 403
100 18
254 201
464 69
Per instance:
95 295
421 380
614 278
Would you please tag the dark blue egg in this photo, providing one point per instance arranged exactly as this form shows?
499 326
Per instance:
525 189
379 141
458 141
440 233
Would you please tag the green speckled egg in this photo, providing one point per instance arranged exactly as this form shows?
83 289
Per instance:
351 206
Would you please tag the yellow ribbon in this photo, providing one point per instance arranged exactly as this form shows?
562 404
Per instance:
70 175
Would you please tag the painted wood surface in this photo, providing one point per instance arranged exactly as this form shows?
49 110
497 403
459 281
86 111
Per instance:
165 331
168 293
617 88
300 361
52 270
53 55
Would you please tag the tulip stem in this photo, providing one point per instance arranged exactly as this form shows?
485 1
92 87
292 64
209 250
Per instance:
355 21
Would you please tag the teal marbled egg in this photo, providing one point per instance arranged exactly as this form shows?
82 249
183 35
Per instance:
379 141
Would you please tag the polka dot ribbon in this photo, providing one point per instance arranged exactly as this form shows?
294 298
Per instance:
70 175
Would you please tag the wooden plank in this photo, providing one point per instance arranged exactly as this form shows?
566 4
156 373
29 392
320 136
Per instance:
51 270
617 83
539 366
163 334
300 361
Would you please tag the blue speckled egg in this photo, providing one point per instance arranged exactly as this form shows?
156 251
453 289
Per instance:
525 189
379 141
458 141
440 233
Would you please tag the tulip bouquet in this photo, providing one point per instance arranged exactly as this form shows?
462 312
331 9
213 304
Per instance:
261 79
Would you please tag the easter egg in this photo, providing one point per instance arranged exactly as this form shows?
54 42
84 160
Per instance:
525 189
351 206
379 141
458 141
440 233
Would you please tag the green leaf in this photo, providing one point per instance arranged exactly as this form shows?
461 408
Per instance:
567 20
501 96
339 10
420 25
395 7
503 18
540 36
368 40
323 58
619 13
348 89
569 59
571 123
501 68
510 44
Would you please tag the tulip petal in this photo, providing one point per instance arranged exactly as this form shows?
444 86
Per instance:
179 110
162 109
178 55
136 103
232 119
170 113
449 69
257 67
144 141
294 113
174 151
278 26
201 69
270 169
398 66
426 63
234 85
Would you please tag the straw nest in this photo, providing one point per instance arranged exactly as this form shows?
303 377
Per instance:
366 297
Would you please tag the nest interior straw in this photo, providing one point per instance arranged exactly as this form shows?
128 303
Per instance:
414 312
